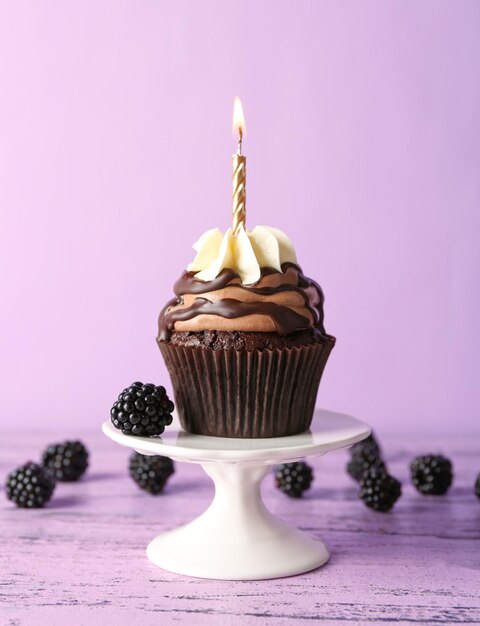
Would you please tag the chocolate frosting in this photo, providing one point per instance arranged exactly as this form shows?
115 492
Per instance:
285 319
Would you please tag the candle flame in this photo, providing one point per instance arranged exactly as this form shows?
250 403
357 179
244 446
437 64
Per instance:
239 127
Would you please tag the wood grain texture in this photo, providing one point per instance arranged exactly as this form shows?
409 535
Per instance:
81 560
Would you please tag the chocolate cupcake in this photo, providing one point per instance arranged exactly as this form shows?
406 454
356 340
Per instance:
243 339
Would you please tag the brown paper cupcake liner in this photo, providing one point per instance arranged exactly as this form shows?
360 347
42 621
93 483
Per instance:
246 394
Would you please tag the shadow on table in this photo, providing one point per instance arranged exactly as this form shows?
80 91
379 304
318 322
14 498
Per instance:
98 476
332 493
188 486
63 502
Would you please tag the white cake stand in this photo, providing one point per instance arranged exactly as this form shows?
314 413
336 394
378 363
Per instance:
237 538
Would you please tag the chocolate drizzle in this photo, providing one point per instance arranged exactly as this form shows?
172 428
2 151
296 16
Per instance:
286 320
187 283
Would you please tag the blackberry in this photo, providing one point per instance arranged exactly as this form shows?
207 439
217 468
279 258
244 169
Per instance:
379 490
67 461
363 460
431 474
30 486
150 472
293 478
142 410
477 486
370 443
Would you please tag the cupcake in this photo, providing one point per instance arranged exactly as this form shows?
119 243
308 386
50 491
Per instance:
243 339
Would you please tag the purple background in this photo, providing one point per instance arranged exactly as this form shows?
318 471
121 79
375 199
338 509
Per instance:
363 145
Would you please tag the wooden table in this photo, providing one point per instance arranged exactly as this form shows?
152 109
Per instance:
81 560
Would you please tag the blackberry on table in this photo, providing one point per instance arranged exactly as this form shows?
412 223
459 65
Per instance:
379 491
431 474
370 444
293 478
143 410
30 486
363 460
151 472
67 461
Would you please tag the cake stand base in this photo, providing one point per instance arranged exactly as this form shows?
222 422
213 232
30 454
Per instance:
237 538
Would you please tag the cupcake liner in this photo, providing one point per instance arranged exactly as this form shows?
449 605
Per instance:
246 394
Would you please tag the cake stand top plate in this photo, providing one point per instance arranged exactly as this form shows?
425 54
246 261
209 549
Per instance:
329 431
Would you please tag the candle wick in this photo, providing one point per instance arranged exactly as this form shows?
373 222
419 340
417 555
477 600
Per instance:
240 137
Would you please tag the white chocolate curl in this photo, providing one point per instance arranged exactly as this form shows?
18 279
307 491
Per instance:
246 253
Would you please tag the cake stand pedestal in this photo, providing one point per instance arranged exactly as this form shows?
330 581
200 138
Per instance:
237 538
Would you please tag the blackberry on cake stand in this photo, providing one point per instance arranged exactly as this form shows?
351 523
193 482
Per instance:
237 538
